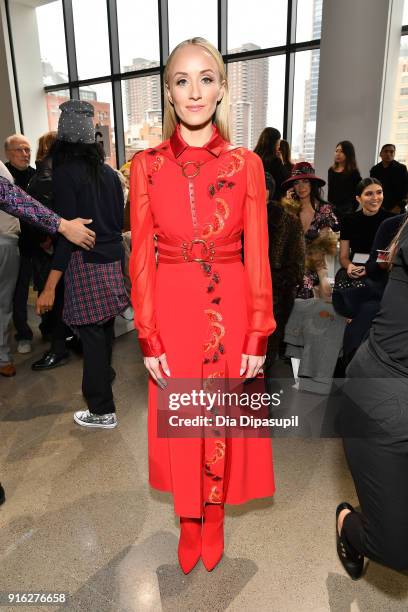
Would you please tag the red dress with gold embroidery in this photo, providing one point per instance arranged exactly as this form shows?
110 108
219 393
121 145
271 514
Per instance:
197 201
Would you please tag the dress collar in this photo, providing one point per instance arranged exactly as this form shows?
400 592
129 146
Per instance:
215 145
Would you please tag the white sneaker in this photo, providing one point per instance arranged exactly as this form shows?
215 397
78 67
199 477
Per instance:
24 347
87 419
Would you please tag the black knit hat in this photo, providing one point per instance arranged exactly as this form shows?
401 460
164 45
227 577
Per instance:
75 123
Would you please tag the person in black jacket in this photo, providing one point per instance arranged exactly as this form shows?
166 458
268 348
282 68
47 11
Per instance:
393 176
343 178
268 150
374 420
40 188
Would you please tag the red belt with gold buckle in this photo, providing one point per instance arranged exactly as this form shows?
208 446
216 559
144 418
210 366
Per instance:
198 250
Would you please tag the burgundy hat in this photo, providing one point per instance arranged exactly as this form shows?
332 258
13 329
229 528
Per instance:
303 170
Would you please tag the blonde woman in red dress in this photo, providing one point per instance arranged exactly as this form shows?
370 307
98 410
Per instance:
197 194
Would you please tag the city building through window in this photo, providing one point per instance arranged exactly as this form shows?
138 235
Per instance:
271 51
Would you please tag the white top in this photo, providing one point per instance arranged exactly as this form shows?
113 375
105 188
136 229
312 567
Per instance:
8 224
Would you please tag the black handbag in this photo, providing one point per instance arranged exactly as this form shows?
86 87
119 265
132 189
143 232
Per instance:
343 281
349 293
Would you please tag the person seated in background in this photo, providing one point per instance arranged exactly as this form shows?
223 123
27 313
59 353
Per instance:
18 152
355 296
319 226
357 230
363 303
393 177
286 258
268 150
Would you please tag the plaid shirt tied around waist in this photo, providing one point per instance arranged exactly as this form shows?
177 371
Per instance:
94 292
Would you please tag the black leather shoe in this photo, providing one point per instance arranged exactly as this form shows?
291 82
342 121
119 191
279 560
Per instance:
50 360
351 560
2 495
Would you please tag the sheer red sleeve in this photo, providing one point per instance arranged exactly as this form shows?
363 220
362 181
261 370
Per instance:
142 261
258 284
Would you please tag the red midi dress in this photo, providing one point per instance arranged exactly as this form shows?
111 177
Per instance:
196 202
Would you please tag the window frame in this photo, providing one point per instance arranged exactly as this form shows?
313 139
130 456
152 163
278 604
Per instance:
289 50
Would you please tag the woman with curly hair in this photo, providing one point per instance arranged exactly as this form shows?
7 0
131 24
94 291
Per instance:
319 225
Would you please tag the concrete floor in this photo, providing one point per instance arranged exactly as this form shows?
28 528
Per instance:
80 517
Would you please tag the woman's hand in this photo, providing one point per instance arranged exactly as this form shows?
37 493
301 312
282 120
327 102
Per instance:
252 364
153 367
45 301
76 232
355 271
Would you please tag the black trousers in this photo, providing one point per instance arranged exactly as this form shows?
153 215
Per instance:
23 330
56 326
376 445
97 341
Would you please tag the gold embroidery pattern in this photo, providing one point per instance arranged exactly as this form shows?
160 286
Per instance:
215 496
218 453
217 330
156 165
234 164
216 225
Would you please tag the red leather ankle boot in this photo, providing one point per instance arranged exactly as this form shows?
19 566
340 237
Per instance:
213 535
189 548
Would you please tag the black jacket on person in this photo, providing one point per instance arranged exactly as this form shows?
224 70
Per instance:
26 242
76 194
383 238
279 173
394 180
40 188
342 191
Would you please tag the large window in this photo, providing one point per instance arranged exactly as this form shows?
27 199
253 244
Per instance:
305 105
138 27
142 114
261 24
100 96
113 53
91 38
188 19
52 47
399 133
257 94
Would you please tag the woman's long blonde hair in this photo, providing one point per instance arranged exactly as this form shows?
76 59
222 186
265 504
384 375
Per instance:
222 113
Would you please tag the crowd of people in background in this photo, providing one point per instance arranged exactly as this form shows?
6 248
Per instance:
306 231
357 222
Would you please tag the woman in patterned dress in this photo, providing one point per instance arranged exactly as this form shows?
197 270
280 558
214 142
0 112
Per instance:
319 221
201 313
